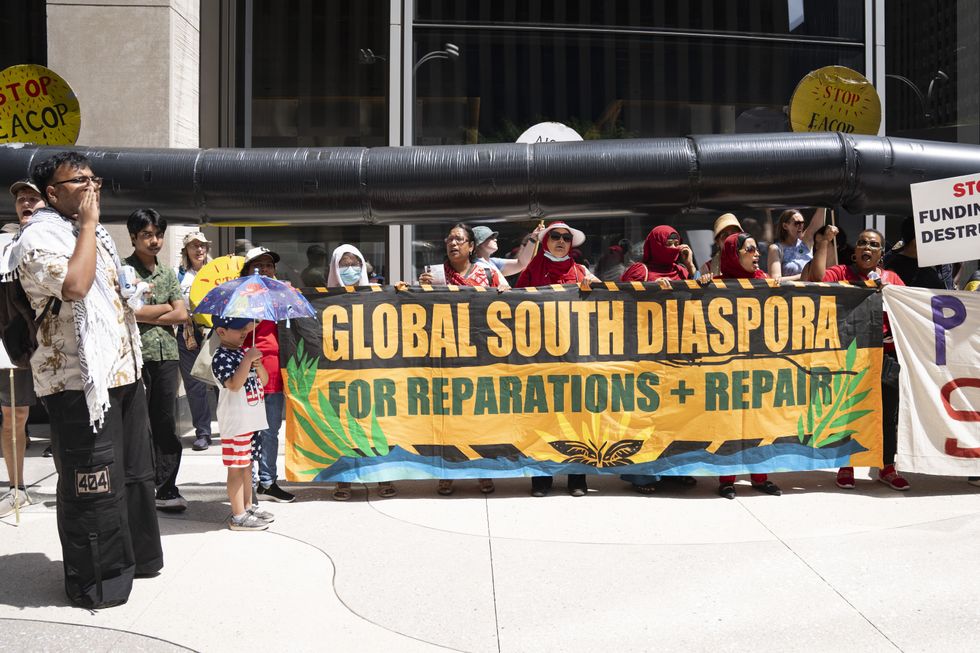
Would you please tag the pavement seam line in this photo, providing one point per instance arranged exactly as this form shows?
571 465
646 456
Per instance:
119 631
493 574
816 573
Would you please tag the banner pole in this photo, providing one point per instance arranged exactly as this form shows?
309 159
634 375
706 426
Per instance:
13 437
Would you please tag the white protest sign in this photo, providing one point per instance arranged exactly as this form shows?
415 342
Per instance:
937 339
947 219
549 132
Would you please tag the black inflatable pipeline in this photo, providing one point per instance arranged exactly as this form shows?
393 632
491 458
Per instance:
385 185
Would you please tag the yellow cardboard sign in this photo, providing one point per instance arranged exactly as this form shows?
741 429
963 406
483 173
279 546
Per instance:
835 99
212 275
37 106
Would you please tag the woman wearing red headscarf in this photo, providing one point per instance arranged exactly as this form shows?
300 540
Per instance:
553 264
740 260
665 259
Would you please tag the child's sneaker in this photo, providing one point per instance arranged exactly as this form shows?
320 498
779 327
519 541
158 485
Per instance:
248 522
262 515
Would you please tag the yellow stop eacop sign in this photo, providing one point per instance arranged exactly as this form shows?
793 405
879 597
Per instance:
835 99
37 106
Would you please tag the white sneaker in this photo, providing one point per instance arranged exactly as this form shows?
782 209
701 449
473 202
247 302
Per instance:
7 501
247 523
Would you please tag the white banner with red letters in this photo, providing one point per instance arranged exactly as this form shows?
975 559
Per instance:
937 336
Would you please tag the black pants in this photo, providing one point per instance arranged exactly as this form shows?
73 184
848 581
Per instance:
161 379
107 520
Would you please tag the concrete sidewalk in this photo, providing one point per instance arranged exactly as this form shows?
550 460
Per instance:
818 569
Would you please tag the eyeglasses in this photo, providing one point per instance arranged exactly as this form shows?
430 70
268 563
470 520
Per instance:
554 235
799 223
870 244
80 180
457 239
673 239
751 249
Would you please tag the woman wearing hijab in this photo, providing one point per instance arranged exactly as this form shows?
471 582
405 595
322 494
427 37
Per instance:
665 259
462 269
866 265
347 268
553 264
740 260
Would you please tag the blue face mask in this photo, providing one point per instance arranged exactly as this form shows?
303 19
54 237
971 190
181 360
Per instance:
350 274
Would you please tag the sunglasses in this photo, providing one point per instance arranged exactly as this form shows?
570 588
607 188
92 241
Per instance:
673 238
870 244
751 249
554 235
799 223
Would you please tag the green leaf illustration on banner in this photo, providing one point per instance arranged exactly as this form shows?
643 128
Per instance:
320 422
819 426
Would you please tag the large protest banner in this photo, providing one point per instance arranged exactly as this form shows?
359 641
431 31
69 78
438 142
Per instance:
937 337
618 378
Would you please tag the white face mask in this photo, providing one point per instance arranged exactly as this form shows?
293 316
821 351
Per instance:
551 257
350 274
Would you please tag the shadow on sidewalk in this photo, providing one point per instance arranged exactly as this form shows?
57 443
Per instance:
32 580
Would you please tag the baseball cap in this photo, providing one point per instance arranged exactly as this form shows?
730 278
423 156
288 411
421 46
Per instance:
196 235
18 186
256 252
482 234
230 322
724 221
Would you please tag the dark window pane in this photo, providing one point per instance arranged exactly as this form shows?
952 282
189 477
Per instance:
604 86
311 83
24 25
818 18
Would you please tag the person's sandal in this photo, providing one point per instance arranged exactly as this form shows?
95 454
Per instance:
893 479
486 486
386 490
649 488
341 492
445 487
726 490
768 488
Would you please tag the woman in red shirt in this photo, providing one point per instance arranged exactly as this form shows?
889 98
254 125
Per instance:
740 260
869 249
665 259
461 269
553 264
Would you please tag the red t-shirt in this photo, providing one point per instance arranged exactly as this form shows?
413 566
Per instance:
848 273
267 340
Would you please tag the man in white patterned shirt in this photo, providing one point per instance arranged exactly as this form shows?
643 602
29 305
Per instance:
86 369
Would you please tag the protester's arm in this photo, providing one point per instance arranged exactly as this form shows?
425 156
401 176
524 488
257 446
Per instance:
818 220
81 264
775 262
524 254
261 372
174 313
237 380
151 313
822 244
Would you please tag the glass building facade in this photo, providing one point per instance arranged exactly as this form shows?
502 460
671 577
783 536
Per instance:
437 72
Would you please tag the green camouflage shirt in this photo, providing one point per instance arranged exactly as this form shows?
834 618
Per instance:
159 342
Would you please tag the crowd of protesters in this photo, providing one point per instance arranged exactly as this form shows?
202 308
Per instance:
116 336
